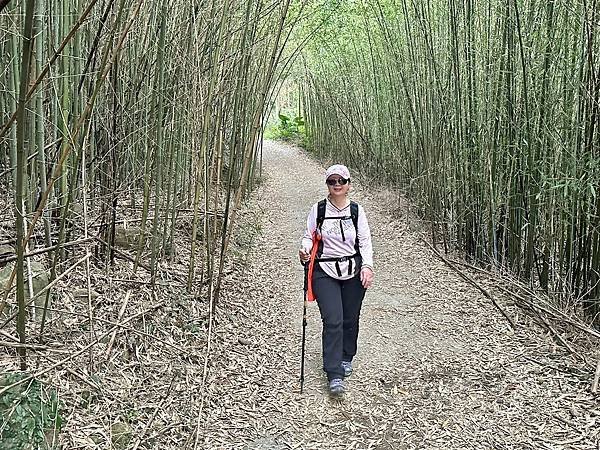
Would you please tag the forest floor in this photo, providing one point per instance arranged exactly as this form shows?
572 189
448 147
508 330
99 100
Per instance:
438 366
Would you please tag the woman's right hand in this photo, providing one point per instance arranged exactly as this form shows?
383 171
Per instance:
304 256
366 277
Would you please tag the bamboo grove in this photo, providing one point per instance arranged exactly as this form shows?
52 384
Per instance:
485 113
109 107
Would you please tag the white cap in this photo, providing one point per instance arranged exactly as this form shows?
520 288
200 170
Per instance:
337 169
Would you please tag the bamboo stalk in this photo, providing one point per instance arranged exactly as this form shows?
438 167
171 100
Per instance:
20 173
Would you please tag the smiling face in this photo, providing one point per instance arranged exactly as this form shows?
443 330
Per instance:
335 187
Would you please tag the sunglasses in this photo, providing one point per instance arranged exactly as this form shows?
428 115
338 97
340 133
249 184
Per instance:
334 181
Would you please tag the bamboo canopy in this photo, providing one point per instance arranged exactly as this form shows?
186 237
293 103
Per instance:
485 114
113 106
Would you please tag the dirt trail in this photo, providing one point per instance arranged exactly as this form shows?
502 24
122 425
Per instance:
437 366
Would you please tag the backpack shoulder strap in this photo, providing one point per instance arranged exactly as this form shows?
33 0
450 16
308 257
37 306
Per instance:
321 213
354 214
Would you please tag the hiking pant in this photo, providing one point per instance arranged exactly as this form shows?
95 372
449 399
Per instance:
339 302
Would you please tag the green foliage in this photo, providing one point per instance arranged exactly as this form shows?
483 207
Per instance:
287 129
30 415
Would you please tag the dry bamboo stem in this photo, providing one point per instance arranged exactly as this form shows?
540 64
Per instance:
47 249
596 378
49 286
80 352
114 335
156 409
37 347
205 368
111 323
474 283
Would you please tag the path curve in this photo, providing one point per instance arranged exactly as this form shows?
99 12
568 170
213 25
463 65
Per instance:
437 365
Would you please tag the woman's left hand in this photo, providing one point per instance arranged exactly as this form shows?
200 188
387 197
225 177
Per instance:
366 277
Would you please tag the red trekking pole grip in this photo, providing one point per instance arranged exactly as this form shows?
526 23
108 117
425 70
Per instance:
311 265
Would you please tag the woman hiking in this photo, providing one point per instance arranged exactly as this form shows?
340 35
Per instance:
342 271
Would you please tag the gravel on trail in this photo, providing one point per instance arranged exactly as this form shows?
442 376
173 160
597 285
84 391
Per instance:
438 366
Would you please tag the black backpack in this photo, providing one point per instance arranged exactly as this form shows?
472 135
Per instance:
321 218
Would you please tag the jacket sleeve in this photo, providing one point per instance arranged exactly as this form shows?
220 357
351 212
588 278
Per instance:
364 239
311 225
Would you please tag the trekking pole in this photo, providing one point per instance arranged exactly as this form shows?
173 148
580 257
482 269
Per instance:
309 296
304 327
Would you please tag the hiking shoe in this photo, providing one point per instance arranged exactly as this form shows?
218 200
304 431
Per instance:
336 387
347 366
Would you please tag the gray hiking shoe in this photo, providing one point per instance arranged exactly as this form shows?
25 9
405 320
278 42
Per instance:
336 387
347 366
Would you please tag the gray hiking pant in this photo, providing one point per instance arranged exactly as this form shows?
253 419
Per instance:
339 302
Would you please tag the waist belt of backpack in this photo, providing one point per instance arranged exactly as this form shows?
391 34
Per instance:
338 260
